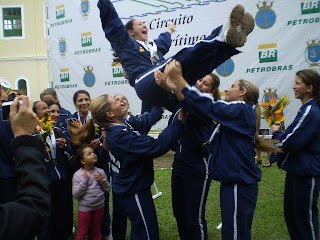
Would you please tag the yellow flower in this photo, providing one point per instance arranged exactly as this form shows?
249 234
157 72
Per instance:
46 124
273 110
96 129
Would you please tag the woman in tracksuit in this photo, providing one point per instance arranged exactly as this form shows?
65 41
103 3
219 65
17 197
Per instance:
190 174
141 123
60 223
141 56
232 153
132 164
301 159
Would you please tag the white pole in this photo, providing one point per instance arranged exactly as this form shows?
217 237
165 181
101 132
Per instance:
158 194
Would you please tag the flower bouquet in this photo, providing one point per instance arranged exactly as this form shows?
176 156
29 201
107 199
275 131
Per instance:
273 109
45 127
46 134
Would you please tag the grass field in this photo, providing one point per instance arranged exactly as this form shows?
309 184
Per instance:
268 223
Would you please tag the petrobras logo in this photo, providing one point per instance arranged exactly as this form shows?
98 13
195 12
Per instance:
64 75
310 7
117 70
85 8
265 17
62 48
308 10
86 39
86 42
89 78
226 68
60 11
312 53
268 53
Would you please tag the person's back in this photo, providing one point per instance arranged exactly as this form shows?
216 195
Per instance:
27 216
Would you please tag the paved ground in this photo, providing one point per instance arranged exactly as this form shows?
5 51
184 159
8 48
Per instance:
164 161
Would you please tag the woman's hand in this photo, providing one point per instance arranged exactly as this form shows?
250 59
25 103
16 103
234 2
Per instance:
171 28
162 81
23 119
275 127
62 142
95 143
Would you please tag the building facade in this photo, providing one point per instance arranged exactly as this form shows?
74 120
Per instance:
23 46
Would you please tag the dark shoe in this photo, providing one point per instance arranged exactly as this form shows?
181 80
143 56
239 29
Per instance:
258 162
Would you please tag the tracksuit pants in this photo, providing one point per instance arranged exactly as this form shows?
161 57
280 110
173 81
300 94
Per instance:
237 202
140 209
300 207
189 197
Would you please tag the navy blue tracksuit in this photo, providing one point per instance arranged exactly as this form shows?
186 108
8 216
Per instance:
141 123
132 170
196 61
301 161
60 223
232 158
190 178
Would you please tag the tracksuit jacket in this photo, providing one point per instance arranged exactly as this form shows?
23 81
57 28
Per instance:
301 142
132 155
233 149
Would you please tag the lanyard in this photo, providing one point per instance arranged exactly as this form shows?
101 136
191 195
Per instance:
86 118
51 141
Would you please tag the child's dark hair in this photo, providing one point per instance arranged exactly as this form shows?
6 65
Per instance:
78 156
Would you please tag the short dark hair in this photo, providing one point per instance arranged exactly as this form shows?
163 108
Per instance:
50 103
129 25
76 94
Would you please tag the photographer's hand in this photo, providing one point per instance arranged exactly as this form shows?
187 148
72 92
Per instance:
23 119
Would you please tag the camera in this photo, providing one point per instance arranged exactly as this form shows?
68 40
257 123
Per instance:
6 111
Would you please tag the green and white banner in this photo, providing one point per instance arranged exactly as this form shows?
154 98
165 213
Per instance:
285 40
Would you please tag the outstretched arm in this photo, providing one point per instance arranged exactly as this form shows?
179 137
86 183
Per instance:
112 26
203 105
145 121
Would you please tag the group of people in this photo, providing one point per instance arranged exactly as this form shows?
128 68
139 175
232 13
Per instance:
213 139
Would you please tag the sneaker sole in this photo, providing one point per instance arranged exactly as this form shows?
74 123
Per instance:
241 25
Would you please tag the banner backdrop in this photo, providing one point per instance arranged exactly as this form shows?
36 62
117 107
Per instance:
286 39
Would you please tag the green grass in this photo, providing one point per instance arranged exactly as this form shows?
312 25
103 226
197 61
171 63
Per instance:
268 220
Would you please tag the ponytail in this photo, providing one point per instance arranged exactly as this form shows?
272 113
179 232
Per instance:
83 134
252 97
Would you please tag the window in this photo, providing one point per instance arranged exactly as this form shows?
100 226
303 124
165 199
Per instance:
22 85
12 22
